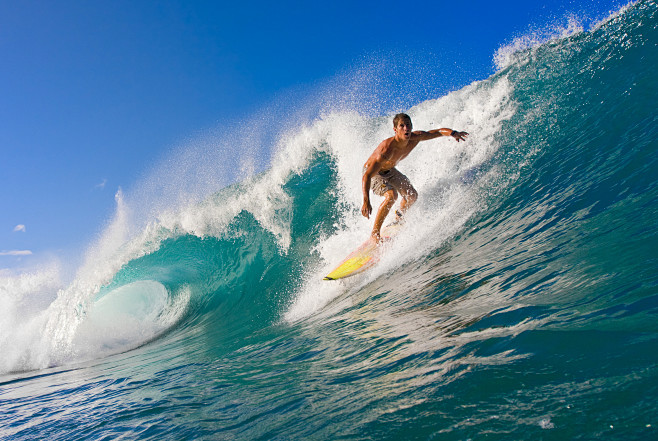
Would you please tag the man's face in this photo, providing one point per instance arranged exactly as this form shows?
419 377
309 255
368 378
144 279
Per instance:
403 129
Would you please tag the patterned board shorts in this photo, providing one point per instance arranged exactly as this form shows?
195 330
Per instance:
390 179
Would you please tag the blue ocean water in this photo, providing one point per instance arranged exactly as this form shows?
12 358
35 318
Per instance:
520 303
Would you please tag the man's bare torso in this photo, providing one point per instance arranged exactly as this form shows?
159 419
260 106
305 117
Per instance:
391 151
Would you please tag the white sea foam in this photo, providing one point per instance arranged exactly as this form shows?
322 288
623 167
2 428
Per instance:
23 299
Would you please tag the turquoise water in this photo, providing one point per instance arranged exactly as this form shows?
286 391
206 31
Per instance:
520 303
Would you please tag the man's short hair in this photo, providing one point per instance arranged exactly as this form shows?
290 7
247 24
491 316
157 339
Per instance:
398 117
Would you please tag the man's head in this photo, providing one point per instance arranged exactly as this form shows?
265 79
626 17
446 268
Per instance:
402 126
400 117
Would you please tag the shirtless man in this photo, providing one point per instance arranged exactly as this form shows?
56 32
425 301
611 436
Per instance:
379 170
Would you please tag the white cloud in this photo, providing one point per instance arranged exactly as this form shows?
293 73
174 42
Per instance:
19 227
101 185
16 253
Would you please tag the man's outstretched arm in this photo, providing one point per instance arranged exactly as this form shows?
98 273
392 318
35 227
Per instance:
431 134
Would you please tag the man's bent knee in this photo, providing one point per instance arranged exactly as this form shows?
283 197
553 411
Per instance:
413 196
390 196
410 196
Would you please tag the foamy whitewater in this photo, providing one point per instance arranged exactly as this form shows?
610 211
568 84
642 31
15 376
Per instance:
519 302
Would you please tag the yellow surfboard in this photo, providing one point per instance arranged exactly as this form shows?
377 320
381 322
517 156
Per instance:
364 257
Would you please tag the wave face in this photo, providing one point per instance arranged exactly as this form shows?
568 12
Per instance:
519 303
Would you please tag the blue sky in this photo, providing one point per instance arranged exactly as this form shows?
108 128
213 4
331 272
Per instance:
93 93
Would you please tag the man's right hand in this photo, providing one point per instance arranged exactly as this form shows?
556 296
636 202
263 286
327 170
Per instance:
459 136
366 210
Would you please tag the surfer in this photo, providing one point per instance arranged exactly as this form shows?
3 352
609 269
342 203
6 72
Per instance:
380 174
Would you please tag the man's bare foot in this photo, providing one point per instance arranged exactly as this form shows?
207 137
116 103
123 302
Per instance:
378 239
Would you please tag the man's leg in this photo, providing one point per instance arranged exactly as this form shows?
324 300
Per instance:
389 200
409 197
409 194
